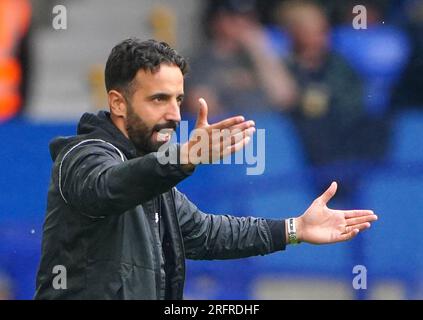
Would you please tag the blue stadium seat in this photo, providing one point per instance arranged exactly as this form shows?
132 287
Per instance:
289 201
223 186
24 150
26 163
19 256
226 279
393 247
305 259
279 40
278 199
284 152
407 146
379 55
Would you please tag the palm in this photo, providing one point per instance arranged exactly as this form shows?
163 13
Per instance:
323 224
320 225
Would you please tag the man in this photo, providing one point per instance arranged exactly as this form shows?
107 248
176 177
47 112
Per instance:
329 104
115 221
243 73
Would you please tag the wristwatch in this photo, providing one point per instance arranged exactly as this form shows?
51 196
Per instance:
292 232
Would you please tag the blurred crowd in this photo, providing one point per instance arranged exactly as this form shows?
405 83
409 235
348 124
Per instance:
304 60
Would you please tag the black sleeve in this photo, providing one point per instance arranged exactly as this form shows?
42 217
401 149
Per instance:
94 179
208 236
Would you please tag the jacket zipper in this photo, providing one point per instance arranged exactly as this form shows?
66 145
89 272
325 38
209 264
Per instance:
158 254
178 235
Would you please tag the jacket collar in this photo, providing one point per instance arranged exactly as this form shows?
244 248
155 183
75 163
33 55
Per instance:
100 126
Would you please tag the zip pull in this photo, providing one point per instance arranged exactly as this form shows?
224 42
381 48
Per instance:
156 217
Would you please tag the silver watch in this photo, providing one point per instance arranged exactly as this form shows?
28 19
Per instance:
292 232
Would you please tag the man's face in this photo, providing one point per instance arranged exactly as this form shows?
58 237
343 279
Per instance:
154 106
311 31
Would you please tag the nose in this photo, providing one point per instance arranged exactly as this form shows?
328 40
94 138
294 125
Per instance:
173 112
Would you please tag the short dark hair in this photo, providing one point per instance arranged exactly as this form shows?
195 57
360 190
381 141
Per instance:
131 55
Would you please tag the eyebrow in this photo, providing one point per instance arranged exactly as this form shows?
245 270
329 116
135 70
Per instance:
159 95
164 96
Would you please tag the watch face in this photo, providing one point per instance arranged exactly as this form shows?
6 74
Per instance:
292 238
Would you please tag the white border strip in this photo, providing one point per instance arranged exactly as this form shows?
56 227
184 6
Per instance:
71 149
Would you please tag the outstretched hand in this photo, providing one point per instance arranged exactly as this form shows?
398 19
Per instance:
211 142
320 225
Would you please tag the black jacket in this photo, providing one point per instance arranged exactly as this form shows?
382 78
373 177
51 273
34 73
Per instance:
101 222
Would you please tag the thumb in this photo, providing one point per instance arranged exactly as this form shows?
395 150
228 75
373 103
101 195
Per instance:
202 114
329 193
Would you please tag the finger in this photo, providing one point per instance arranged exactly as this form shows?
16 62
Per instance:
353 221
236 147
349 235
237 136
227 123
202 114
226 138
219 135
242 126
329 193
359 226
357 213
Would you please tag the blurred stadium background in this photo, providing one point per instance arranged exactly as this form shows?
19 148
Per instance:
353 114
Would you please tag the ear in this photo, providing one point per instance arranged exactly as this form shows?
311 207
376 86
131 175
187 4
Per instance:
117 103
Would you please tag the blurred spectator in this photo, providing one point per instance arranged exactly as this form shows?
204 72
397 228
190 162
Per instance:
330 99
379 55
236 71
409 92
14 24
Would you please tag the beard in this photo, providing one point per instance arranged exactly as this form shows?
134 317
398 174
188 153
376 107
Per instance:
141 135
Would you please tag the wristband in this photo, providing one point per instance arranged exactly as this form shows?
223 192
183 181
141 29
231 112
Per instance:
292 232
